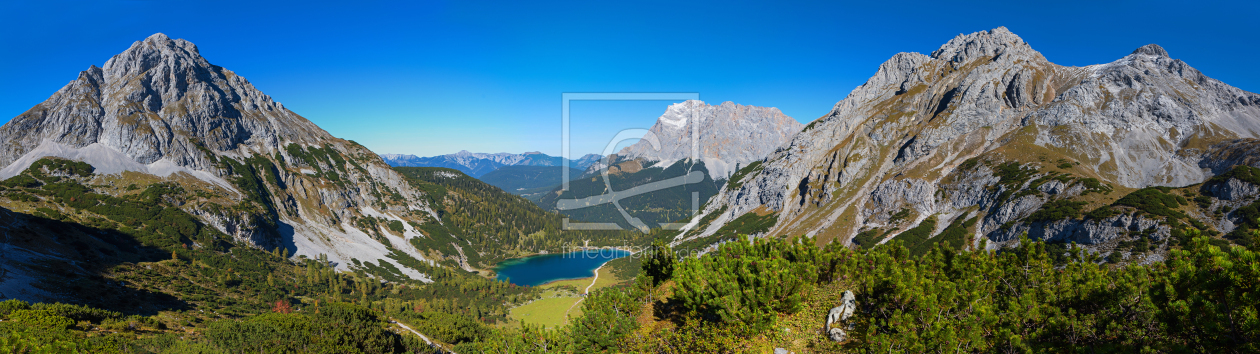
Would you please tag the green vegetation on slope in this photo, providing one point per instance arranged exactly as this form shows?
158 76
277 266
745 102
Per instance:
737 178
1033 298
751 223
528 179
1037 297
743 297
492 225
139 254
868 238
747 284
1055 210
329 328
653 208
919 233
955 237
1242 173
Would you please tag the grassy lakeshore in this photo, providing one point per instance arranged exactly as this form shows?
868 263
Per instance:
561 297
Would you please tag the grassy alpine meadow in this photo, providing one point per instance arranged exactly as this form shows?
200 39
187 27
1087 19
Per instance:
547 311
605 279
562 299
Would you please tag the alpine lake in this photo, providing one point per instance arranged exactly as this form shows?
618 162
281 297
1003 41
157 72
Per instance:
541 269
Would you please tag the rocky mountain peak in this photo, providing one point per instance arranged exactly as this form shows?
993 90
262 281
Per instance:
160 108
151 52
991 43
913 135
157 100
730 135
1152 49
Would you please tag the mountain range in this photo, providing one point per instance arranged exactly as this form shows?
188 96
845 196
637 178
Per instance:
478 164
986 132
167 205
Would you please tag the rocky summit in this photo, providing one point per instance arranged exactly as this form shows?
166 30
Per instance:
156 102
160 111
987 135
728 135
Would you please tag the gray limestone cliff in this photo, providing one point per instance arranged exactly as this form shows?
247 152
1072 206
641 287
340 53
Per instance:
728 134
936 135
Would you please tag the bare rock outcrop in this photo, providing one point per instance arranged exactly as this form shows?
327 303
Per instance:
837 325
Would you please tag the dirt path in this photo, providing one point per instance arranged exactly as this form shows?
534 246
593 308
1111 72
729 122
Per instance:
400 324
584 293
463 260
588 287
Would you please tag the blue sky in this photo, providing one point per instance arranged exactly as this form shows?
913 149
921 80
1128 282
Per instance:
431 78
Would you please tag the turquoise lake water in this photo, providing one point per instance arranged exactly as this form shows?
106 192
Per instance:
538 270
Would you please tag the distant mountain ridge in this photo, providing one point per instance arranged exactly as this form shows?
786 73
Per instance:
478 164
523 180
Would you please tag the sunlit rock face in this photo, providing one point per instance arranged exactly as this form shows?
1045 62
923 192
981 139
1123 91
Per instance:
159 108
928 133
728 134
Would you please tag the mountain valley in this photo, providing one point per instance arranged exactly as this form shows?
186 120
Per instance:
979 199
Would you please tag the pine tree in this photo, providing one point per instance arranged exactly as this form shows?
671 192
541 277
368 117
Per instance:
660 262
608 315
747 283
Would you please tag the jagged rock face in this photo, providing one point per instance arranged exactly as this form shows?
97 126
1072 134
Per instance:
729 134
160 108
151 102
1141 120
1221 157
902 139
1089 232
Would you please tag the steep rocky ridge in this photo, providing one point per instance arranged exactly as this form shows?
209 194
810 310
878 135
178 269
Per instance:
977 128
160 111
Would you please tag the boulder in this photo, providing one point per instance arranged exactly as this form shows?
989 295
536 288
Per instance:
836 326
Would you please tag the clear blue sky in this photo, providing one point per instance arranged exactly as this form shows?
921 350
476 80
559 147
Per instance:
437 77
